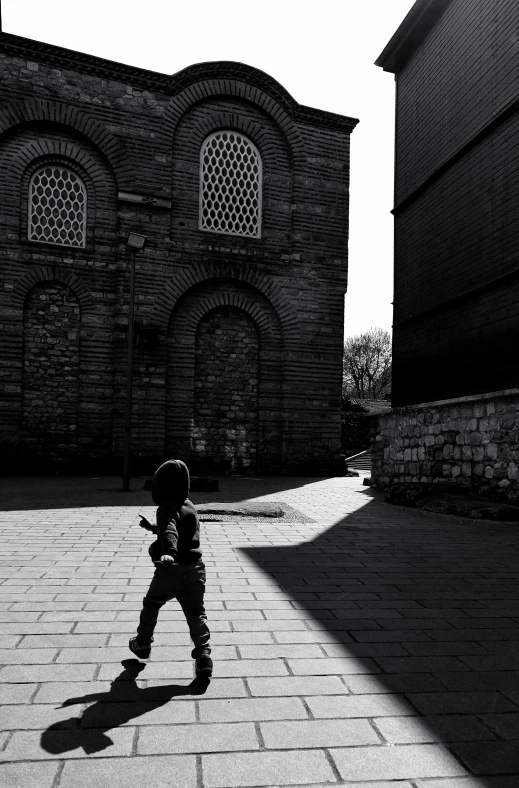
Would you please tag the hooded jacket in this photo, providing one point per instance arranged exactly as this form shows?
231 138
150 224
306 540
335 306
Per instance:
178 529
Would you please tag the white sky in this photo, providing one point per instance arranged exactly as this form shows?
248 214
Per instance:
321 51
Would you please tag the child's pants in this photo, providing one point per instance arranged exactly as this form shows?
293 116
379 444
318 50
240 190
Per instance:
186 582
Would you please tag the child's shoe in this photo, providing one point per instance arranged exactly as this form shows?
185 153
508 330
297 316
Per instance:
204 667
141 651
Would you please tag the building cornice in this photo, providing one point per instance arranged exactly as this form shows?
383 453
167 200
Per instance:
412 31
170 85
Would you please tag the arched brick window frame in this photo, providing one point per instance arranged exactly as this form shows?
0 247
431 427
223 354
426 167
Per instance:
231 180
26 148
84 166
57 203
196 125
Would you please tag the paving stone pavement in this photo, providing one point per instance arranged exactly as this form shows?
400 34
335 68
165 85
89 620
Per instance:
374 647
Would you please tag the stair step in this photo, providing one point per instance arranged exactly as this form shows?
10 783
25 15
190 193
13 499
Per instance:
360 462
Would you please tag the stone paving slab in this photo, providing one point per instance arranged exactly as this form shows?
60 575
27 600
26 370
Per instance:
371 647
158 772
266 769
396 763
19 775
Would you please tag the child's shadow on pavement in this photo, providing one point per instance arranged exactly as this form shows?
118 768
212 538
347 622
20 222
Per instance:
124 701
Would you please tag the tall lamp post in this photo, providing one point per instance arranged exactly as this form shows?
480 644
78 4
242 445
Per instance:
134 243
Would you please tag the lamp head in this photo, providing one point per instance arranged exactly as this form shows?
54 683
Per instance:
136 242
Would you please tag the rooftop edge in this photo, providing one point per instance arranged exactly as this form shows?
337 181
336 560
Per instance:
169 85
412 31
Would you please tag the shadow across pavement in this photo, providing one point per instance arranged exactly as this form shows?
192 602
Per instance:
29 493
421 621
124 701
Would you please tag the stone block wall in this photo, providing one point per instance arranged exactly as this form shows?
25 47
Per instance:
473 442
50 372
226 392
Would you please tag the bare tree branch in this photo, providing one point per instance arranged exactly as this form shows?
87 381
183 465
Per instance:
367 365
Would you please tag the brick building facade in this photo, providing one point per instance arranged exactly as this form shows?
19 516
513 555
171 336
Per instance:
456 306
243 196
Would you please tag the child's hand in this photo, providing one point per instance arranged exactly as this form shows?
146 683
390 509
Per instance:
144 523
165 559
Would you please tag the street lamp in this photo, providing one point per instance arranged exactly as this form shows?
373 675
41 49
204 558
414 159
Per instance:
134 243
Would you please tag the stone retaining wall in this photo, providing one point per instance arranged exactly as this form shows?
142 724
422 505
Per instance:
472 442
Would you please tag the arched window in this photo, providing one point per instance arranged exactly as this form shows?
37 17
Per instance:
230 185
57 206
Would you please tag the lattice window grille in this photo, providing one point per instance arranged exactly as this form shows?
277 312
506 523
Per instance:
230 185
57 206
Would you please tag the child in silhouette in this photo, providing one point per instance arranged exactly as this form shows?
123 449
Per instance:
179 569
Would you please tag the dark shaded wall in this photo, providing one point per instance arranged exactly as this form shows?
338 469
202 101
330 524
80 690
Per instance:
356 428
456 315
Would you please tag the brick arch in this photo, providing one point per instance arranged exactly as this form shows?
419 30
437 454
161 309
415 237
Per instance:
33 110
241 272
41 150
45 150
235 88
241 301
233 120
186 316
51 274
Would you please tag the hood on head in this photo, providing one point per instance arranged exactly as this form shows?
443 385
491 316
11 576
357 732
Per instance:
170 483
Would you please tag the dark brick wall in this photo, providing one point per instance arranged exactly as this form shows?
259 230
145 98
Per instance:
461 75
124 130
456 312
465 347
